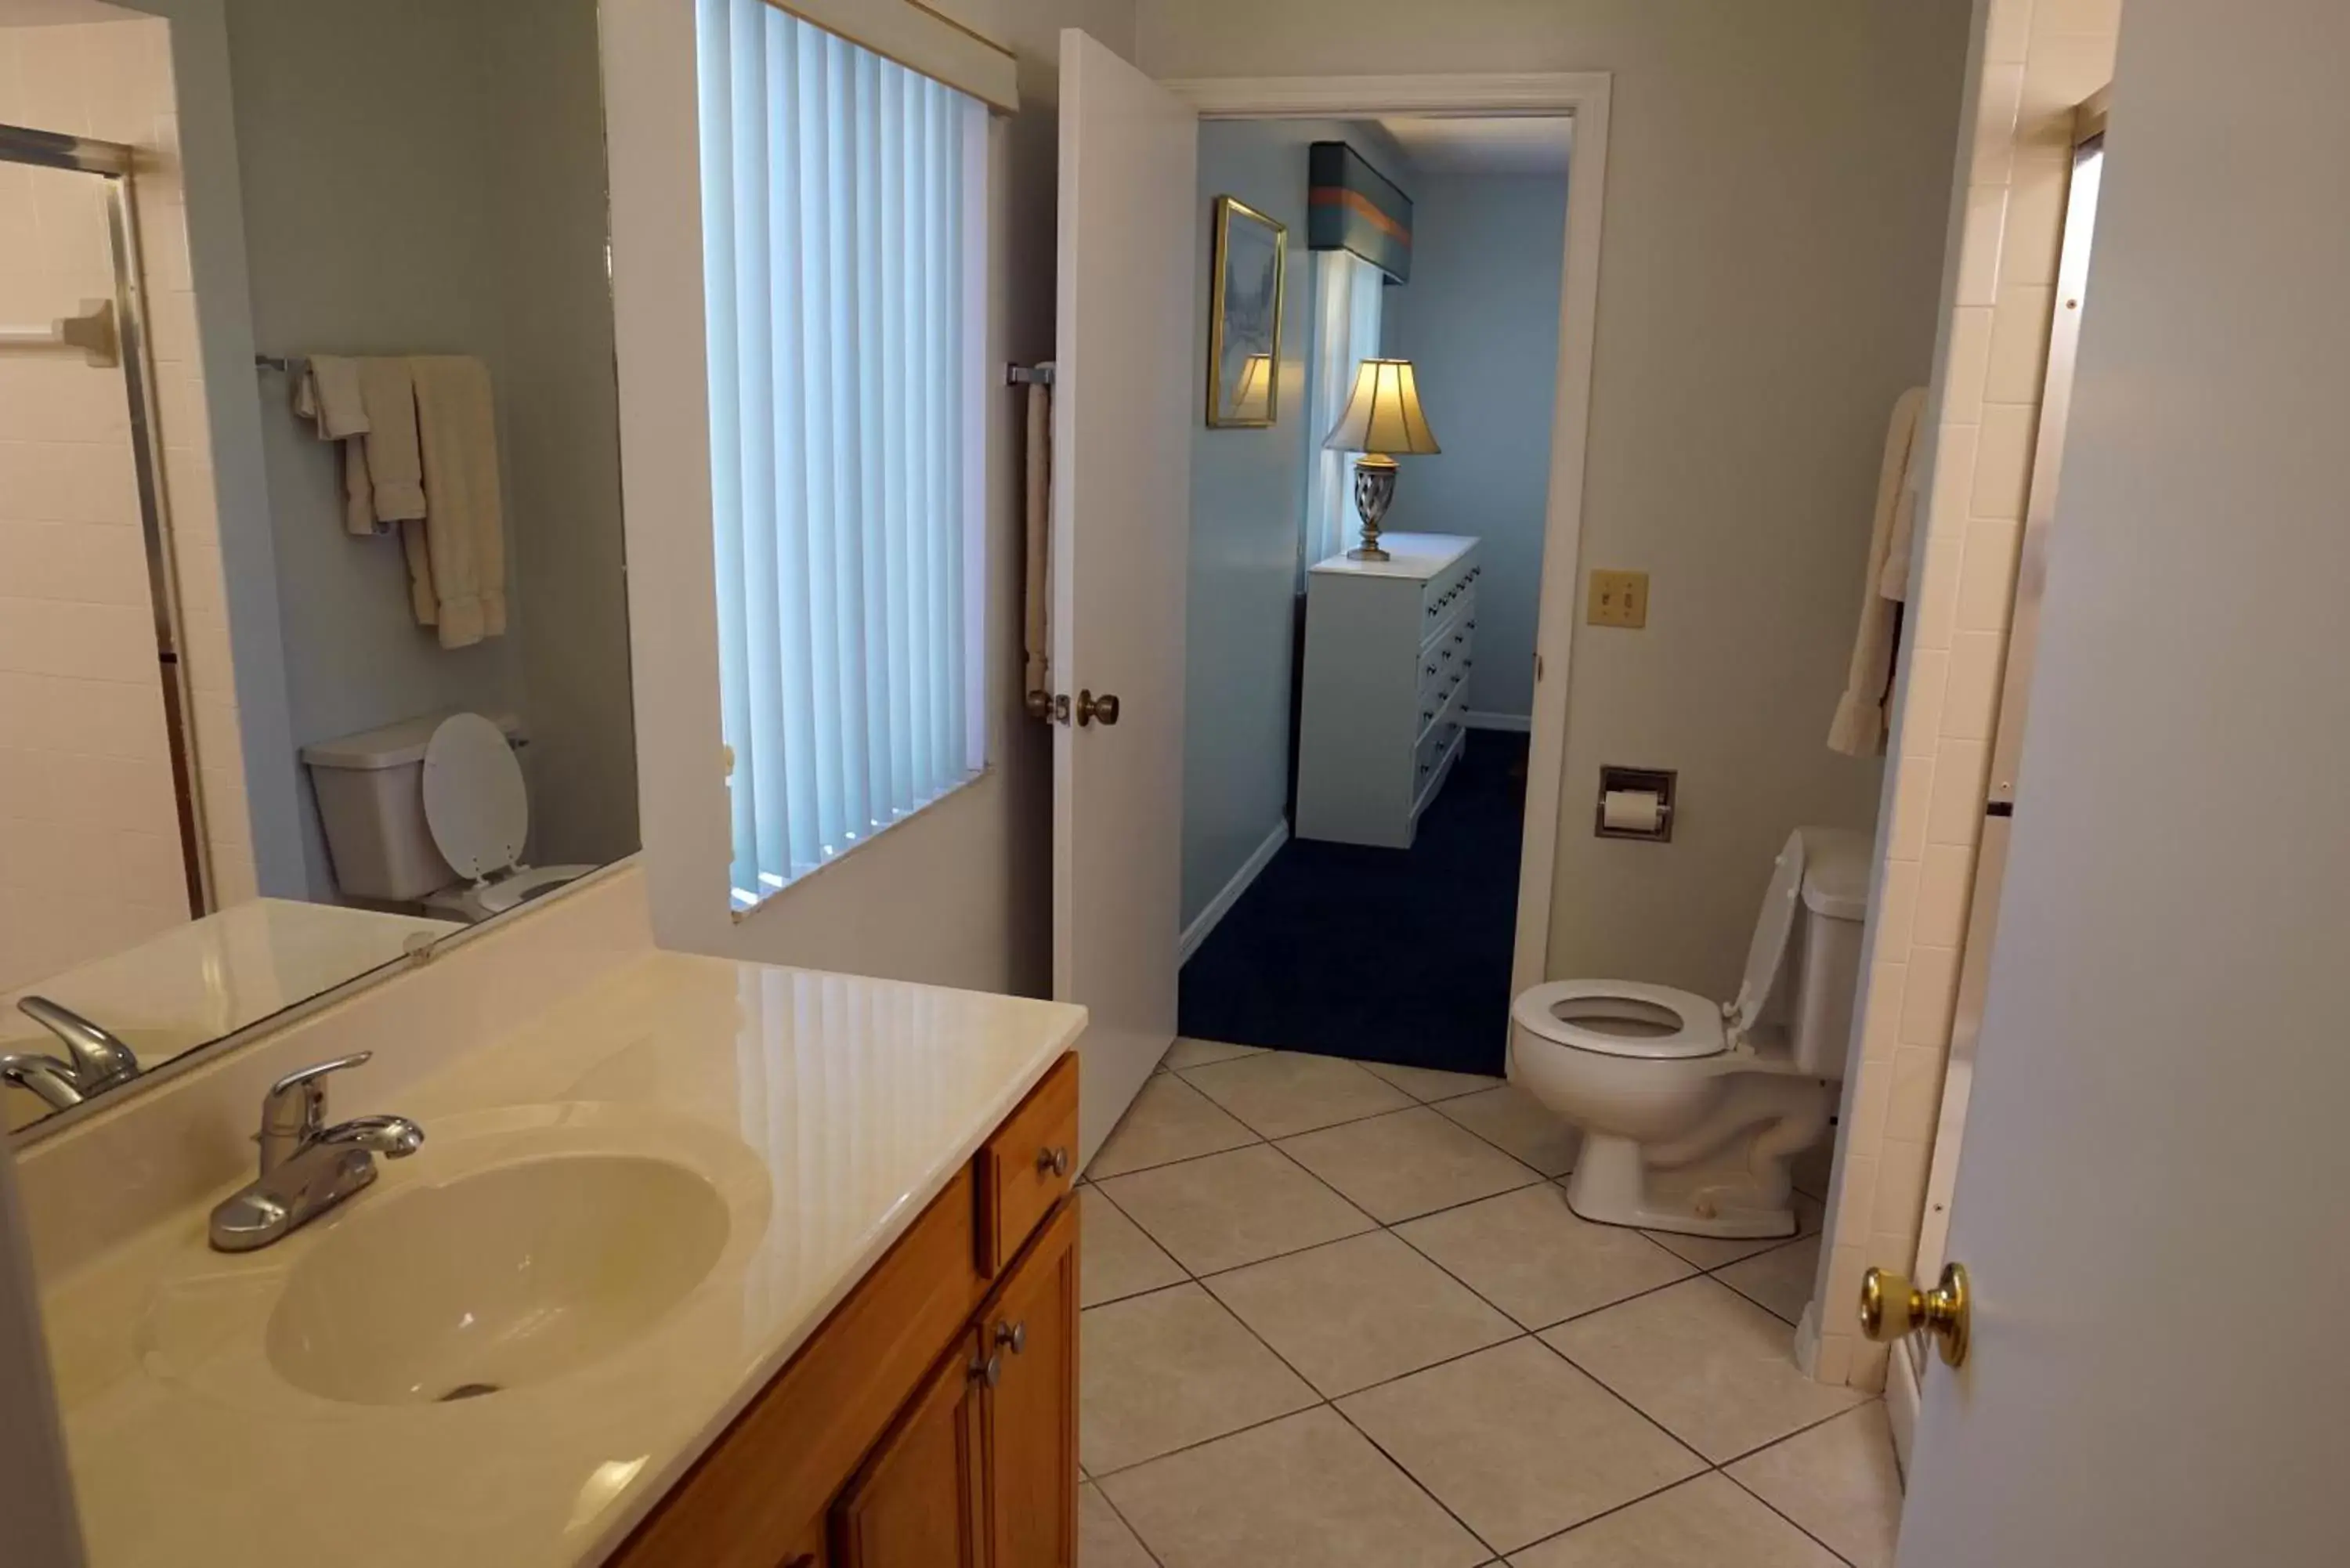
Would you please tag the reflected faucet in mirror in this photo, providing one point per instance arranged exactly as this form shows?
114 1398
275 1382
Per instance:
307 1166
94 1060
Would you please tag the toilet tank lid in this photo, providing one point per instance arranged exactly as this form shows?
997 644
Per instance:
393 746
1835 872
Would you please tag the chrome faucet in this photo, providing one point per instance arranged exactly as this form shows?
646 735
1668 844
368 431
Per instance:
96 1060
307 1166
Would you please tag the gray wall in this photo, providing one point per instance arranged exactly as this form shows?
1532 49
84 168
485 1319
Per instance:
428 177
1248 488
1777 187
1479 320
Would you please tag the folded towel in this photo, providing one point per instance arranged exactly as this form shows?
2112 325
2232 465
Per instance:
393 465
328 391
464 523
1861 719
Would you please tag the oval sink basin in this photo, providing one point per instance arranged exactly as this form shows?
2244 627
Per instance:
497 1279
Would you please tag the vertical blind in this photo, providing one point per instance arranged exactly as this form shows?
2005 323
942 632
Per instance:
1347 300
842 228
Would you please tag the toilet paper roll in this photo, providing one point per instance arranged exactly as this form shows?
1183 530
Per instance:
1632 810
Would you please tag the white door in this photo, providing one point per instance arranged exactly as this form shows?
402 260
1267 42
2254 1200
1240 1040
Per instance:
1123 393
2152 1198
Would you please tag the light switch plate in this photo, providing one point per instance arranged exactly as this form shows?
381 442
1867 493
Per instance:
1619 599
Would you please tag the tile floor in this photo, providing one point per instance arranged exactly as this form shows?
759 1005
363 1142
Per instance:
1339 1314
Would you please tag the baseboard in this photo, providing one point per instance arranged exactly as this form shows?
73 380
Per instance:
1229 894
1901 1400
1516 724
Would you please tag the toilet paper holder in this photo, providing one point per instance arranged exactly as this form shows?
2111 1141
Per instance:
1659 782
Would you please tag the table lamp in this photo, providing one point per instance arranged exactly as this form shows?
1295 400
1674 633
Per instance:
1382 421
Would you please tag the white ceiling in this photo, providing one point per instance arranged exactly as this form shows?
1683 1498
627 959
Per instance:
1518 144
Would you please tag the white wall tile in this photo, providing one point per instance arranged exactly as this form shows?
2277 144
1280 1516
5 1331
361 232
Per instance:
1945 882
1927 996
1983 227
1937 589
1897 907
92 811
1971 696
2003 462
1999 98
1913 795
2007 32
1987 579
1921 714
1954 812
1968 365
2017 363
2035 220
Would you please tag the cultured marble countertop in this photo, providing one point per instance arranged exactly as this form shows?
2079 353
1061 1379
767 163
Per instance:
828 1109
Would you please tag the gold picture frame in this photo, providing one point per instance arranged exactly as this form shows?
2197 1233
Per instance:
1251 267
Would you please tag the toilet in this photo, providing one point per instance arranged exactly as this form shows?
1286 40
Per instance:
1692 1108
430 813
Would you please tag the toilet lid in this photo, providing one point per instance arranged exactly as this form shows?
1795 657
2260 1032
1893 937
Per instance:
1622 1018
474 803
1766 954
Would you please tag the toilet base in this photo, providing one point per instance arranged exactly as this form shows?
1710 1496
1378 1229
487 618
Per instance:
1613 1185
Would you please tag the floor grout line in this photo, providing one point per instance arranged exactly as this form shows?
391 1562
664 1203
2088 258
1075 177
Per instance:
1330 1402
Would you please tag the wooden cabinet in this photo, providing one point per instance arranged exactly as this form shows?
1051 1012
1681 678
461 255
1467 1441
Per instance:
1030 1414
920 1500
931 1421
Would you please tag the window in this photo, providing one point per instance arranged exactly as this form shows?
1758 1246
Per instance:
1347 295
843 236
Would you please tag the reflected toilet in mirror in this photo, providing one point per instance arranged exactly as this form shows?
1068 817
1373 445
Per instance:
305 452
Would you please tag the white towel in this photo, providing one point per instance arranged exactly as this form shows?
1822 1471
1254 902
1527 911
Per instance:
1861 721
393 465
328 391
464 524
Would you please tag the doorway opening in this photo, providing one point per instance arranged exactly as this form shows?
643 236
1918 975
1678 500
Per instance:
1361 677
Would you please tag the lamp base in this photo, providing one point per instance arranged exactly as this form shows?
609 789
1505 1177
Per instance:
1374 483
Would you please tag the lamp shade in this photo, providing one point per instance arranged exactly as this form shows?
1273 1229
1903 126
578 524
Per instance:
1383 413
1253 399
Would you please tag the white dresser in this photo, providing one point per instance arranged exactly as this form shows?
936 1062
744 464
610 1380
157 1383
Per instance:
1388 646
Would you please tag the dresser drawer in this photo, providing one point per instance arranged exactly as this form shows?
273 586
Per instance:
1447 589
1434 748
1457 614
1028 1165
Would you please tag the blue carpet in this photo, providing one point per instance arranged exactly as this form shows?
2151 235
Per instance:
1381 955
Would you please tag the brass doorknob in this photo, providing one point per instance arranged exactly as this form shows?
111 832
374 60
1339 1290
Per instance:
1090 708
1890 1307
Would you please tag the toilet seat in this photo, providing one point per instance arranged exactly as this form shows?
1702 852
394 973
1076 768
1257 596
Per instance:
1623 1018
476 807
1661 1022
478 813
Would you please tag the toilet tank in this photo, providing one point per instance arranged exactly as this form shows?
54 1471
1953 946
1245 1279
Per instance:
1827 948
370 794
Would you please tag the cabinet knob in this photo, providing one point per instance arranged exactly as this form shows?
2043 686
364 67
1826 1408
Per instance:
1013 1336
1053 1160
990 1371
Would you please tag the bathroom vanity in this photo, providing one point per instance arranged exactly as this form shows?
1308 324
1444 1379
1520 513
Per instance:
933 1418
697 1262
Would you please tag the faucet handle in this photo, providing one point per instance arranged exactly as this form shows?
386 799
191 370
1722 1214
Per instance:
293 1111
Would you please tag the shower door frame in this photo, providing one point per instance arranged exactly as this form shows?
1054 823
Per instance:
112 163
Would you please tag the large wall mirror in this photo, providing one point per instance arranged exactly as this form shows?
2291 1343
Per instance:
313 624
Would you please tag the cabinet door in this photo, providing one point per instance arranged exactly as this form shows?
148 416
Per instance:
1031 1410
916 1502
